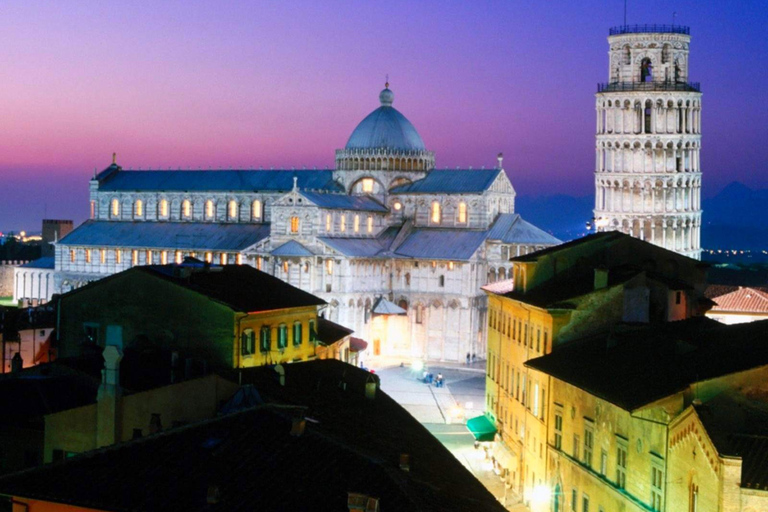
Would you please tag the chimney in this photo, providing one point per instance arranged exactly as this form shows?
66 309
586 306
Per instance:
601 278
108 398
17 363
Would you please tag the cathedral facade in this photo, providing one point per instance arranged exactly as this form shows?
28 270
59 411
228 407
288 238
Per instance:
397 248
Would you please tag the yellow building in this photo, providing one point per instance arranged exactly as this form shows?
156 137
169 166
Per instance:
558 295
625 430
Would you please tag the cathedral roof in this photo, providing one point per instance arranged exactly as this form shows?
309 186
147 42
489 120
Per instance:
345 202
464 181
167 235
386 128
510 228
199 180
292 248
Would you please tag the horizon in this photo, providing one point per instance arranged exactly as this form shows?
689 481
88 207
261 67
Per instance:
238 87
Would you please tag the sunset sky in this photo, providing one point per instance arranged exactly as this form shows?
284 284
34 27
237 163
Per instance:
246 84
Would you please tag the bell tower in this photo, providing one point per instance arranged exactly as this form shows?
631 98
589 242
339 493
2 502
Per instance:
648 140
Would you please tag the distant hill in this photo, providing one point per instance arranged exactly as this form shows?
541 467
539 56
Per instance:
735 218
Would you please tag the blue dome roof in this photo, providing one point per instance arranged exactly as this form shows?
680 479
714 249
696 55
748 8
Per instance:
387 128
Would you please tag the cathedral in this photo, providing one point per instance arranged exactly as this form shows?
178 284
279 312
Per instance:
397 248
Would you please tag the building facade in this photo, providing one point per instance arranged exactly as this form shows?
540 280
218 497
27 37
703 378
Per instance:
648 141
383 225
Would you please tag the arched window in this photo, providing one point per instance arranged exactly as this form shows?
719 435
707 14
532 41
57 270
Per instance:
627 55
138 208
328 223
368 185
646 70
297 334
115 208
256 210
343 223
435 216
209 211
163 210
462 212
441 281
403 304
329 266
232 209
357 224
282 336
186 209
294 224
265 339
370 223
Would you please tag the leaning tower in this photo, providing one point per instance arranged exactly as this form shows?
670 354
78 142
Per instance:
648 173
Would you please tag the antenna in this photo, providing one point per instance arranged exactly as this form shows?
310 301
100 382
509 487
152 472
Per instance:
625 13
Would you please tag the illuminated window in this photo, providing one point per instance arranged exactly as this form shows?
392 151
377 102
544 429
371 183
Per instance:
312 332
256 209
186 209
343 223
328 223
297 334
294 224
370 223
367 185
164 257
435 213
87 255
558 430
223 258
285 267
118 256
209 209
357 224
282 336
72 255
259 262
163 207
398 205
329 266
115 208
232 209
93 209
138 208
462 213
239 259
247 342
134 257
265 339
178 257
209 257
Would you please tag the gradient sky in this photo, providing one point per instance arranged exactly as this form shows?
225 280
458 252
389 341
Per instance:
247 84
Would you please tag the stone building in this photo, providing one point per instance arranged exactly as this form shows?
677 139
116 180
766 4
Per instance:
397 248
648 141
558 295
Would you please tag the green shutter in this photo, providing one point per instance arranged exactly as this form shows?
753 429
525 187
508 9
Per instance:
265 339
297 333
282 335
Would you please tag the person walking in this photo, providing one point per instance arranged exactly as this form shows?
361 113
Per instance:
467 358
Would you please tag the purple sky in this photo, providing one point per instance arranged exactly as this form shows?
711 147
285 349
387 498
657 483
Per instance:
244 84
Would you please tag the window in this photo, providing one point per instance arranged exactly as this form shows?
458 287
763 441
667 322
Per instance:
589 441
232 209
329 266
538 340
367 185
296 334
134 257
118 256
678 297
435 216
282 337
343 223
559 430
574 499
72 255
209 257
603 462
91 333
312 332
370 223
223 258
103 255
115 208
186 209
209 211
657 483
584 502
163 208
256 210
536 399
93 209
247 342
419 313
294 224
138 208
177 257
265 339
328 223
524 395
357 224
259 263
576 446
87 255
441 282
239 259
164 257
545 341
462 212
621 466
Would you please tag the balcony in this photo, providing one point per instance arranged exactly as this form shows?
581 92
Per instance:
648 29
649 86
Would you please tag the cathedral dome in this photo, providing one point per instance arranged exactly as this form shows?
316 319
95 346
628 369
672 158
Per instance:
386 128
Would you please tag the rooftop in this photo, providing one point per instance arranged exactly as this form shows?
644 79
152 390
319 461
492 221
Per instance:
386 128
738 299
649 29
459 181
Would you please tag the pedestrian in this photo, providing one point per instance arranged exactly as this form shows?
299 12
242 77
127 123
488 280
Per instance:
439 382
474 357
467 358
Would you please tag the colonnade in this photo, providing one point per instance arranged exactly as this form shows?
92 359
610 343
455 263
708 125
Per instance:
645 157
661 115
645 197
